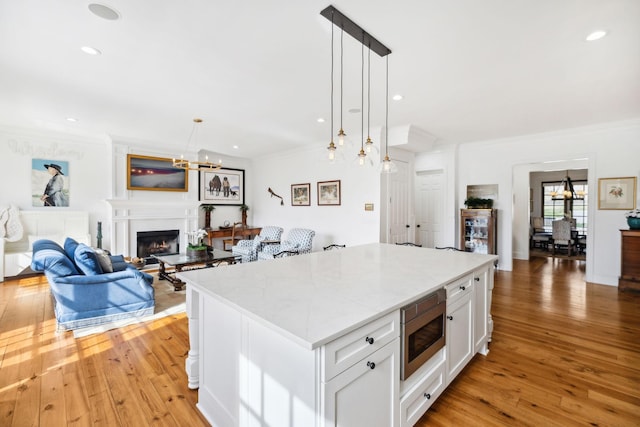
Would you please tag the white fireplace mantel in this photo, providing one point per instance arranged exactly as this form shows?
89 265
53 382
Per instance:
130 216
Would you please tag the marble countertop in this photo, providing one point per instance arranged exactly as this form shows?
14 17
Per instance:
317 297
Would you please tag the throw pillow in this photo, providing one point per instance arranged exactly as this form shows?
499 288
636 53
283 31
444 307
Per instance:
104 258
87 260
70 246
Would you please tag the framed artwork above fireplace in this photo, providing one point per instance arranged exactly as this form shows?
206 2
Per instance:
155 174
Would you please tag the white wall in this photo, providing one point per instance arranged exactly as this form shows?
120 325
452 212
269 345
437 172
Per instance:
346 224
610 150
89 170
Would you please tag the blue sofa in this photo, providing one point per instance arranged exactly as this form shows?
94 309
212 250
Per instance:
85 295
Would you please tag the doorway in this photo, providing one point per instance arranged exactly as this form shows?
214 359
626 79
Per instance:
430 208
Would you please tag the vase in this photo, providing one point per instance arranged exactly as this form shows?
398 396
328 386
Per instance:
634 223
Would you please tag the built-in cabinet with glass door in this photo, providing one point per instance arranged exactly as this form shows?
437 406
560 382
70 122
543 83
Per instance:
478 230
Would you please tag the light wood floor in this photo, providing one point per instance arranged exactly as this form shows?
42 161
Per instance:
563 353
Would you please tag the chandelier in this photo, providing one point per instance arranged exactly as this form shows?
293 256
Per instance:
195 165
347 25
568 192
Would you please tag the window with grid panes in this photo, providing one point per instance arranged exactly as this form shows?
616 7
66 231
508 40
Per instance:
555 209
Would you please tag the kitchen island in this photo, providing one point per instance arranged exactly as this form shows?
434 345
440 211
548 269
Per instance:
314 340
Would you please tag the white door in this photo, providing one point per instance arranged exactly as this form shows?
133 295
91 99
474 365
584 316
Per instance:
399 186
430 208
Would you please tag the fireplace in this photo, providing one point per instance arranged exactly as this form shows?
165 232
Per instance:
161 242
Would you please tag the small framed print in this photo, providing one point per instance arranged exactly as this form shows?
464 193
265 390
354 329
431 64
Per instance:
329 193
301 195
617 193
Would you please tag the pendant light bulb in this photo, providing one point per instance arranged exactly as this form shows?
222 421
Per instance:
341 136
361 157
368 144
332 151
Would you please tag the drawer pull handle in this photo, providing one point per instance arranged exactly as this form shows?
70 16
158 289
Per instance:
427 395
477 279
450 317
371 365
369 340
463 288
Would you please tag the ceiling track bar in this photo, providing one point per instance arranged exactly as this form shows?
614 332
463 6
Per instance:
354 30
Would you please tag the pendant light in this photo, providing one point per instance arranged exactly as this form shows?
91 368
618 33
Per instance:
369 147
362 156
341 134
387 165
332 146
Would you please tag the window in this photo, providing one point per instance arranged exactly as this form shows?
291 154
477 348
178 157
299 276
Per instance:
556 209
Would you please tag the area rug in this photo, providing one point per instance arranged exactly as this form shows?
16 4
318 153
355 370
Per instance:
168 302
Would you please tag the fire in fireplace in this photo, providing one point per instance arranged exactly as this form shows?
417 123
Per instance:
161 242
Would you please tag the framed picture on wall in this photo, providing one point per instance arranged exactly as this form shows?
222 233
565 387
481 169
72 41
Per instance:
49 183
301 195
329 193
155 174
221 187
617 193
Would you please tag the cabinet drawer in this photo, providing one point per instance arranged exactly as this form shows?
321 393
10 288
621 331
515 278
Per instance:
415 403
459 288
343 352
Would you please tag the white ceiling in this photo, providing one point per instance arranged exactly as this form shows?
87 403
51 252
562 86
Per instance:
257 71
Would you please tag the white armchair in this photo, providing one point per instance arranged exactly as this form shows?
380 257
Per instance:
248 249
299 241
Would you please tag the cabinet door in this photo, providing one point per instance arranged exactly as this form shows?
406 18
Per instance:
481 315
459 335
366 394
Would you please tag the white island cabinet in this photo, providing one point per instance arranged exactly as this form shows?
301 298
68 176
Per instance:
314 340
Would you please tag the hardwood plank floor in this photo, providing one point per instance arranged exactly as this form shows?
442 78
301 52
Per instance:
563 353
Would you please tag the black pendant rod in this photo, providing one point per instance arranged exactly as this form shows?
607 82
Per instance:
354 30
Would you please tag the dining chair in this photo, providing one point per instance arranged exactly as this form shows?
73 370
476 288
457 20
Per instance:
237 234
561 235
333 247
409 244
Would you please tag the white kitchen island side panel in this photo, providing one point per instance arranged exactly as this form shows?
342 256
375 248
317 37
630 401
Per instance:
253 375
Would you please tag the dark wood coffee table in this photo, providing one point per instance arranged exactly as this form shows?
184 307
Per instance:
182 262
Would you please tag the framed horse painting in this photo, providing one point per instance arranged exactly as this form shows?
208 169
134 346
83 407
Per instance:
221 187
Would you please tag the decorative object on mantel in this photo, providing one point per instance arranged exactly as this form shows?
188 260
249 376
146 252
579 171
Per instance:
617 193
274 194
478 203
244 208
195 165
207 208
196 247
99 236
633 219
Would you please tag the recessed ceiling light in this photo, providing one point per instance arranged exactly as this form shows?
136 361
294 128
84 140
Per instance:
90 50
397 97
596 35
104 12
320 120
235 147
71 119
